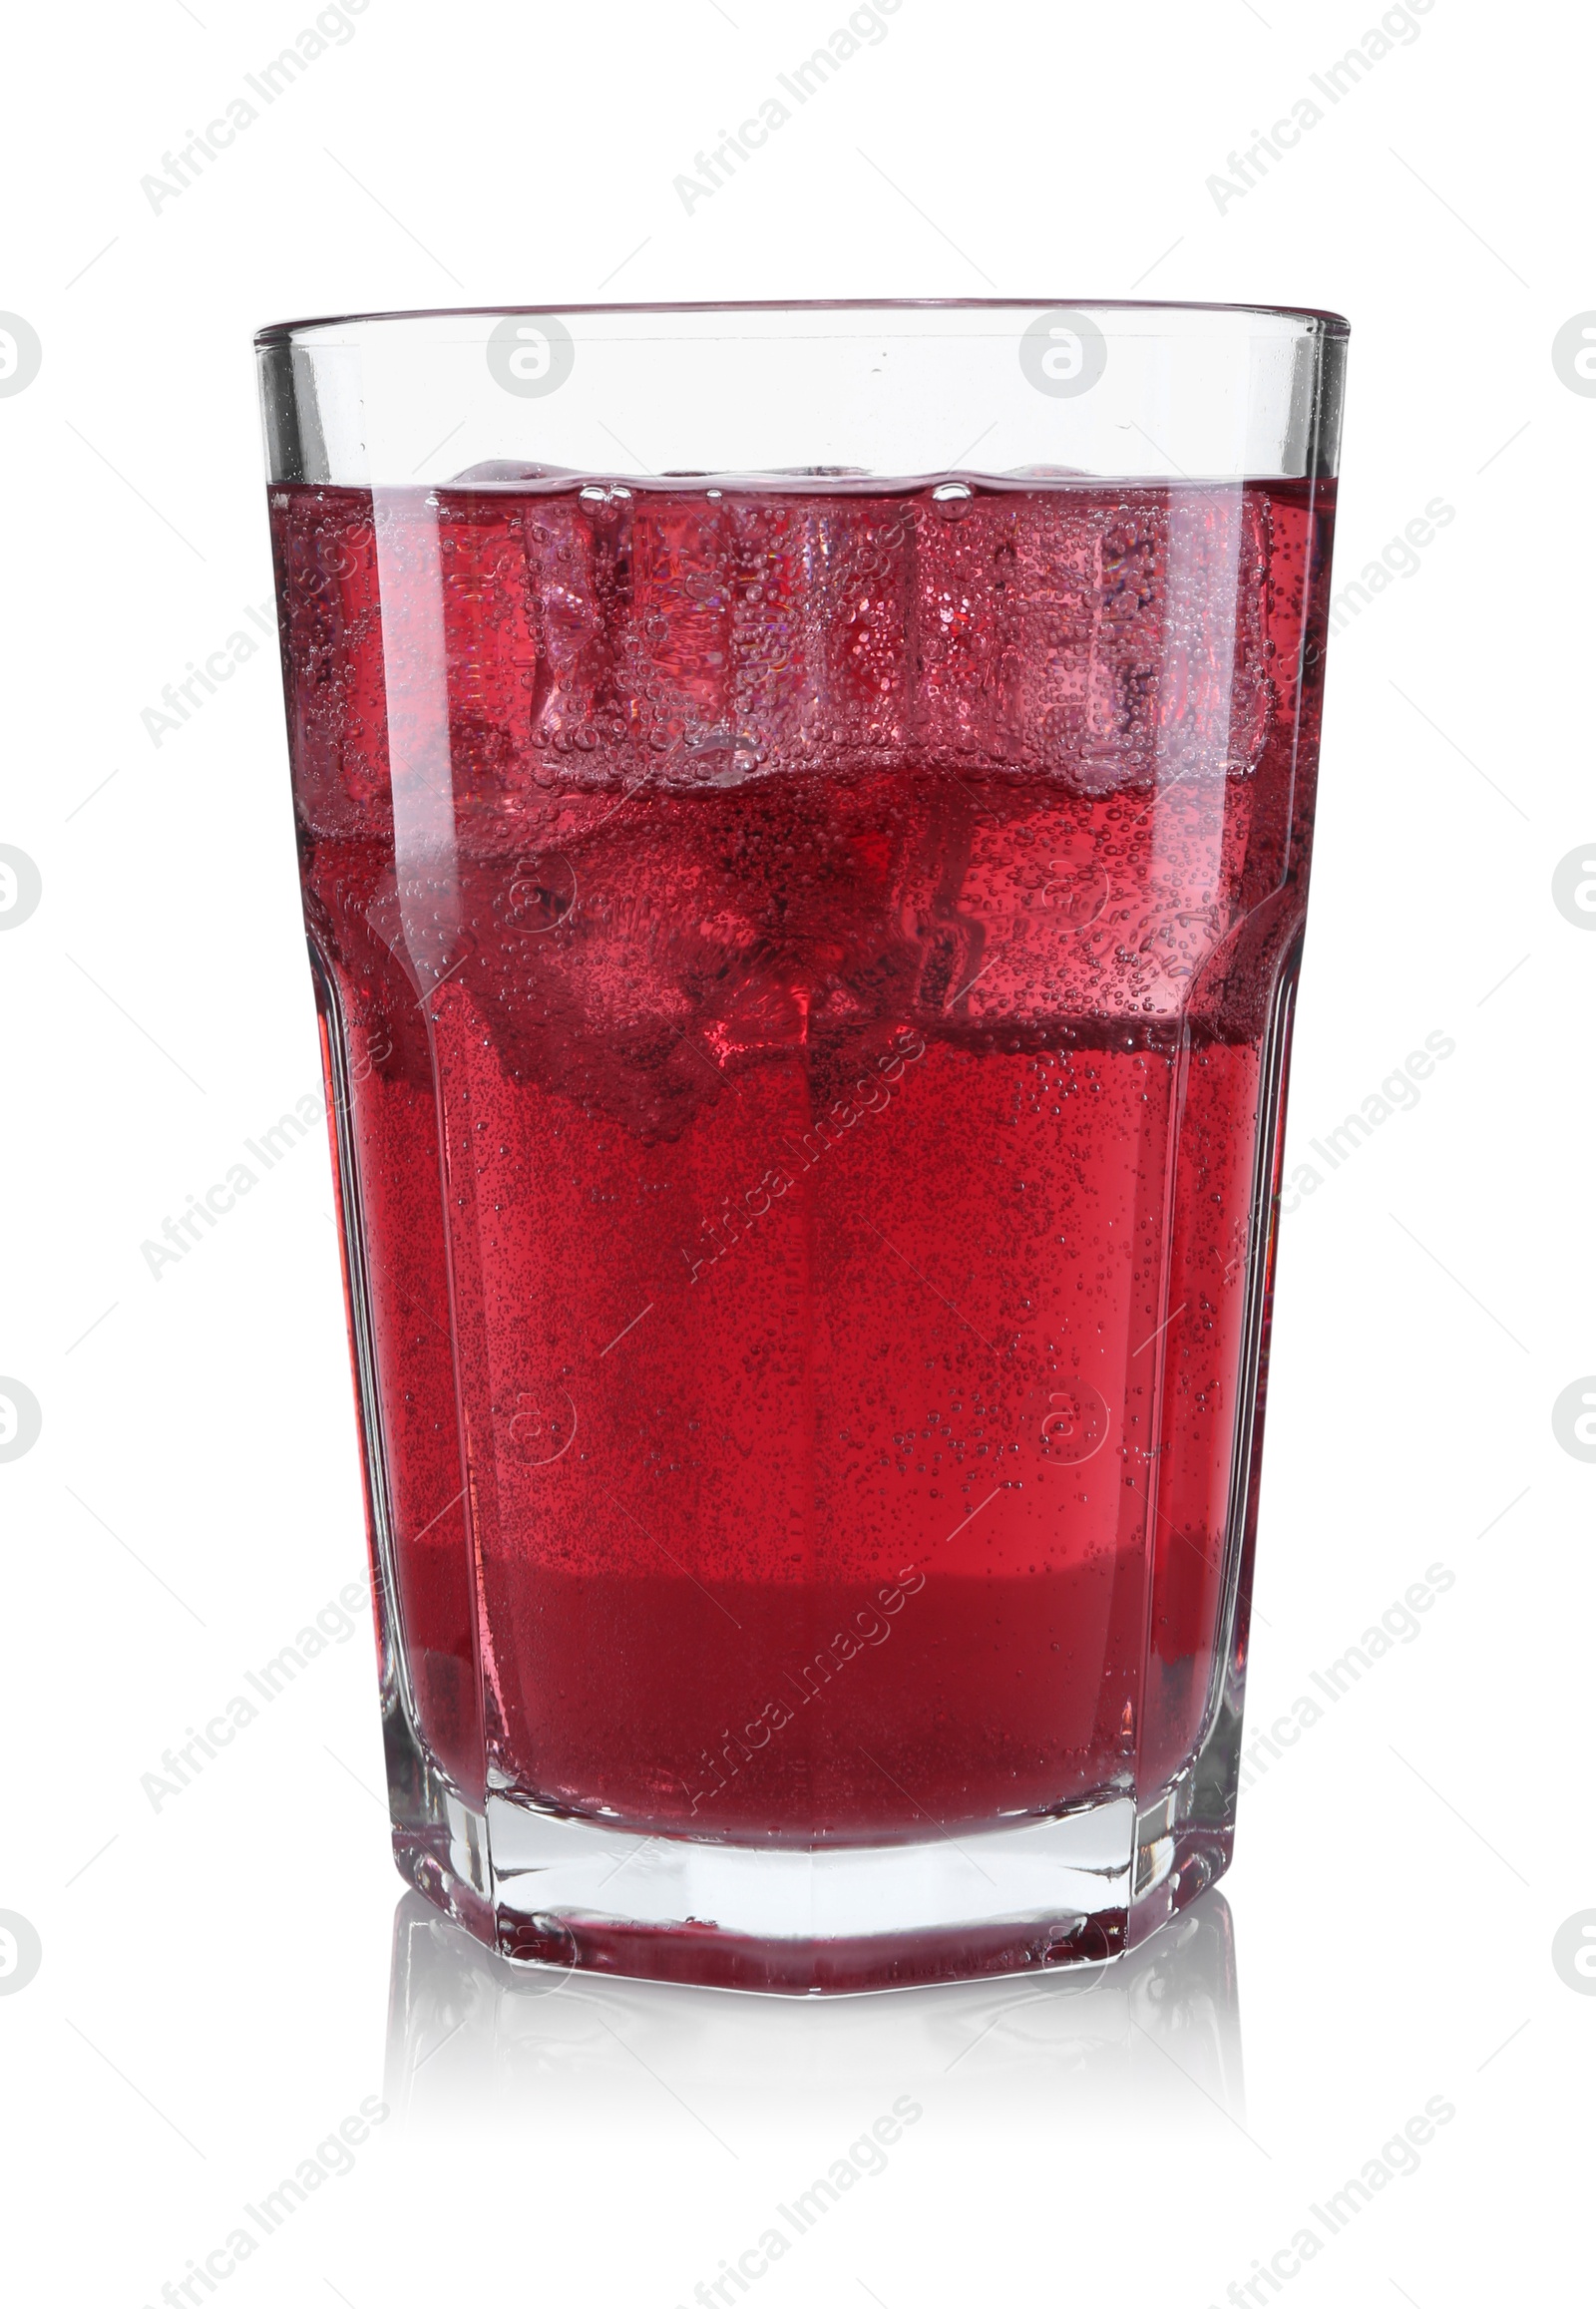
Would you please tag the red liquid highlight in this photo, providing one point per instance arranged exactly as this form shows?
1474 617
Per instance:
802 964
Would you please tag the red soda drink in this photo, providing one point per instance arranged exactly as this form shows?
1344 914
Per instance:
805 967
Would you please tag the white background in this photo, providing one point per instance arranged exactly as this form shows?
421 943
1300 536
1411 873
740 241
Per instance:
214 1981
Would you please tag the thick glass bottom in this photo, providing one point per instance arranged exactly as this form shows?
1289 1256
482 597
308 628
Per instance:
570 1894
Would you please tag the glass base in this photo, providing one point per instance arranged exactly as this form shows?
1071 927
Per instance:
574 1894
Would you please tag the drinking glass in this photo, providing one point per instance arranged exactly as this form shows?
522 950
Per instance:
804 815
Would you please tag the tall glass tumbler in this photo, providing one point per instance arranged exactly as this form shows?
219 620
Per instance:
804 815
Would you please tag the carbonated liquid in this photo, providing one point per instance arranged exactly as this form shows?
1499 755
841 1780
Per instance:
798 960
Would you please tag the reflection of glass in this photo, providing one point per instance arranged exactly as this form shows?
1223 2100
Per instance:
805 941
470 2034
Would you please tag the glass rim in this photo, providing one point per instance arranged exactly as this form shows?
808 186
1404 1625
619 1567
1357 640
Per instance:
1325 322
